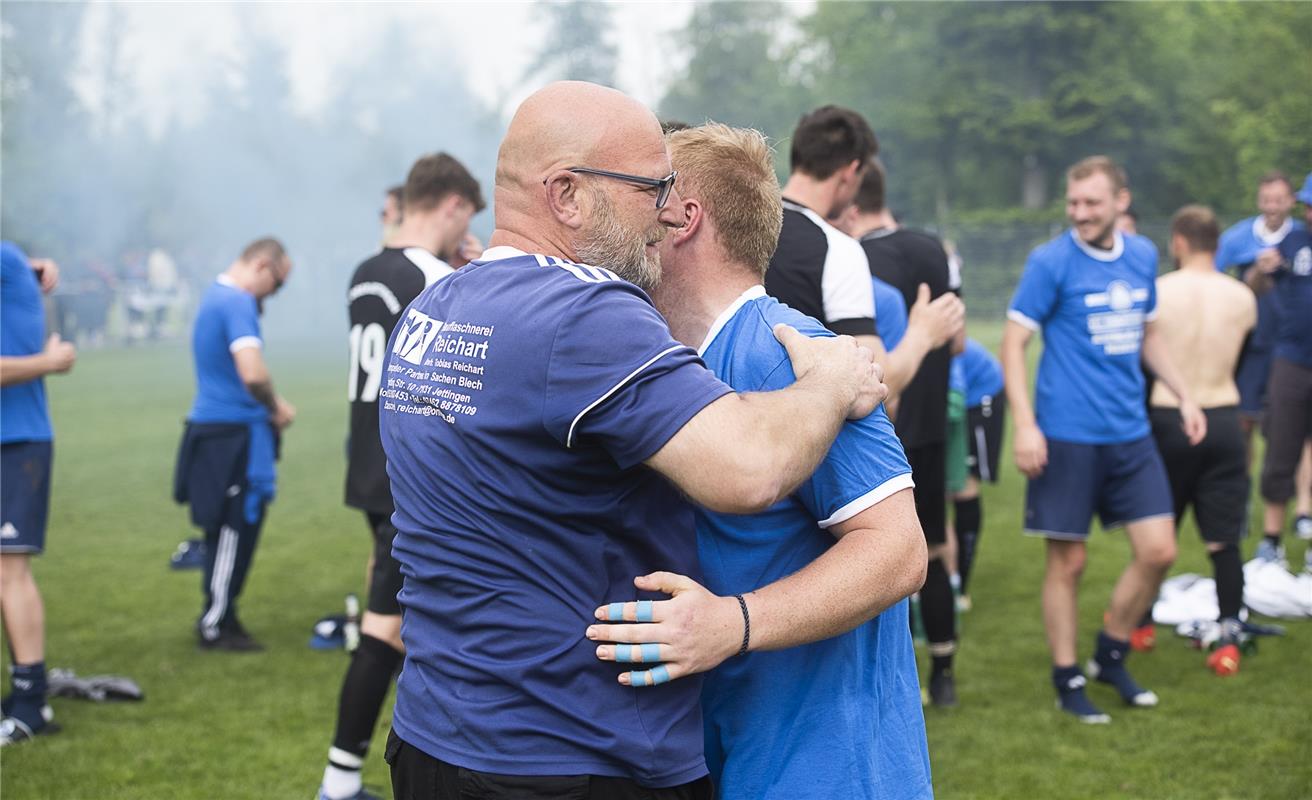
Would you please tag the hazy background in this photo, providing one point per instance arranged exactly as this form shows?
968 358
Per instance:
191 129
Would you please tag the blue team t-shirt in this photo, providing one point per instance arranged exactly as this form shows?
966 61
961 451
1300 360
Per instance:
522 395
835 718
1091 306
23 413
1291 297
982 373
227 320
1237 249
890 313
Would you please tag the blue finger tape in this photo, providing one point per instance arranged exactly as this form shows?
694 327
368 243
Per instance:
651 652
638 678
659 675
644 611
624 652
615 612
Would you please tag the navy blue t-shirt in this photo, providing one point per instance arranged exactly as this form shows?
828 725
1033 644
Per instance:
1092 306
23 413
1292 299
522 395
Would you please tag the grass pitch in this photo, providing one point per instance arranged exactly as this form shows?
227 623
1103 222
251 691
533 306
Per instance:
258 725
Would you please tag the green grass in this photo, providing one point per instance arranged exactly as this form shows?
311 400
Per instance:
258 726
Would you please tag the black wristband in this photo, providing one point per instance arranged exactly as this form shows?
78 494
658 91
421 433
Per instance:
747 624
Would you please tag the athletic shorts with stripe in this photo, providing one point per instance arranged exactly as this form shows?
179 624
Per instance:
1122 483
984 424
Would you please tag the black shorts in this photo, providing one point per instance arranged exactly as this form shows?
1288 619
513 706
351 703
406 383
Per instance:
418 776
1211 476
984 430
24 496
1287 426
929 469
385 581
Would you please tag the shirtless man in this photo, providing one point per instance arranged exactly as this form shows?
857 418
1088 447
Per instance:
1204 316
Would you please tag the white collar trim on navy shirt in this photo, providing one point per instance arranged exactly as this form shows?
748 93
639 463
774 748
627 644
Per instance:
226 280
751 294
1118 247
1268 237
499 252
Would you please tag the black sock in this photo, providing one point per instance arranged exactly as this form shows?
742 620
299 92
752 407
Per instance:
969 517
28 695
1273 538
1229 573
938 609
373 665
1147 618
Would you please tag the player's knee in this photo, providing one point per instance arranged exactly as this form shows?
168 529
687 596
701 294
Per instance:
16 568
383 627
1068 562
1158 555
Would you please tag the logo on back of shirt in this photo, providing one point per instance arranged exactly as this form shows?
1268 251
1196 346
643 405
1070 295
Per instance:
418 331
1120 330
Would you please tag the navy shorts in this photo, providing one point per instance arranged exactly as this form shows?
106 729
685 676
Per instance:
1123 483
1251 379
24 496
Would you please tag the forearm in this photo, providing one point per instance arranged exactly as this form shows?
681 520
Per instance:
779 440
863 574
1016 380
1154 354
262 391
1260 282
22 369
901 364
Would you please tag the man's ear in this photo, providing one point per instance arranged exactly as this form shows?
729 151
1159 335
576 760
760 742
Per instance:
1123 200
691 218
564 197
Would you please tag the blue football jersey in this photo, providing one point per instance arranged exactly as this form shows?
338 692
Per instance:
774 718
1238 248
1091 306
23 413
227 320
522 395
982 372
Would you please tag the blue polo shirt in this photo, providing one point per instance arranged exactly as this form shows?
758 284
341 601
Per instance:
982 373
835 718
23 413
1091 306
890 314
522 395
1291 297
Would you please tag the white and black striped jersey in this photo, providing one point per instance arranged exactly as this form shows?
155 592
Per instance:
381 288
822 272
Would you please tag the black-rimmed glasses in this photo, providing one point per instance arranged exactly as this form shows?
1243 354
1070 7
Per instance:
662 185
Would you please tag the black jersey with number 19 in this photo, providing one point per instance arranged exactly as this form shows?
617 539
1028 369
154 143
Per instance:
381 288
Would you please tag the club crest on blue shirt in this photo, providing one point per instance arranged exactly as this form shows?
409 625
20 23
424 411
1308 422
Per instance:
1120 330
1303 261
417 332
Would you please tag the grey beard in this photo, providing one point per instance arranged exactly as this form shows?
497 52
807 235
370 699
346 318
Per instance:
610 246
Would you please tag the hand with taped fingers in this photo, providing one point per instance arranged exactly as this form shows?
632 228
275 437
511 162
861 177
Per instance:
691 632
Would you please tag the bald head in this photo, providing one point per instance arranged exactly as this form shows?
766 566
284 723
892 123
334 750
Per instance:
572 124
542 207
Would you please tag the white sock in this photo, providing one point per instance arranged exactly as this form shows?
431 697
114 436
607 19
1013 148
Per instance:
340 783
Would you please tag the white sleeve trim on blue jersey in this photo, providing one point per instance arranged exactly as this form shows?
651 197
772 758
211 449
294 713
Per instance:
873 497
243 342
433 268
1020 319
569 437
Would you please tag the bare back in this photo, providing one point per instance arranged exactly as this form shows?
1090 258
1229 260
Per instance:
1203 317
